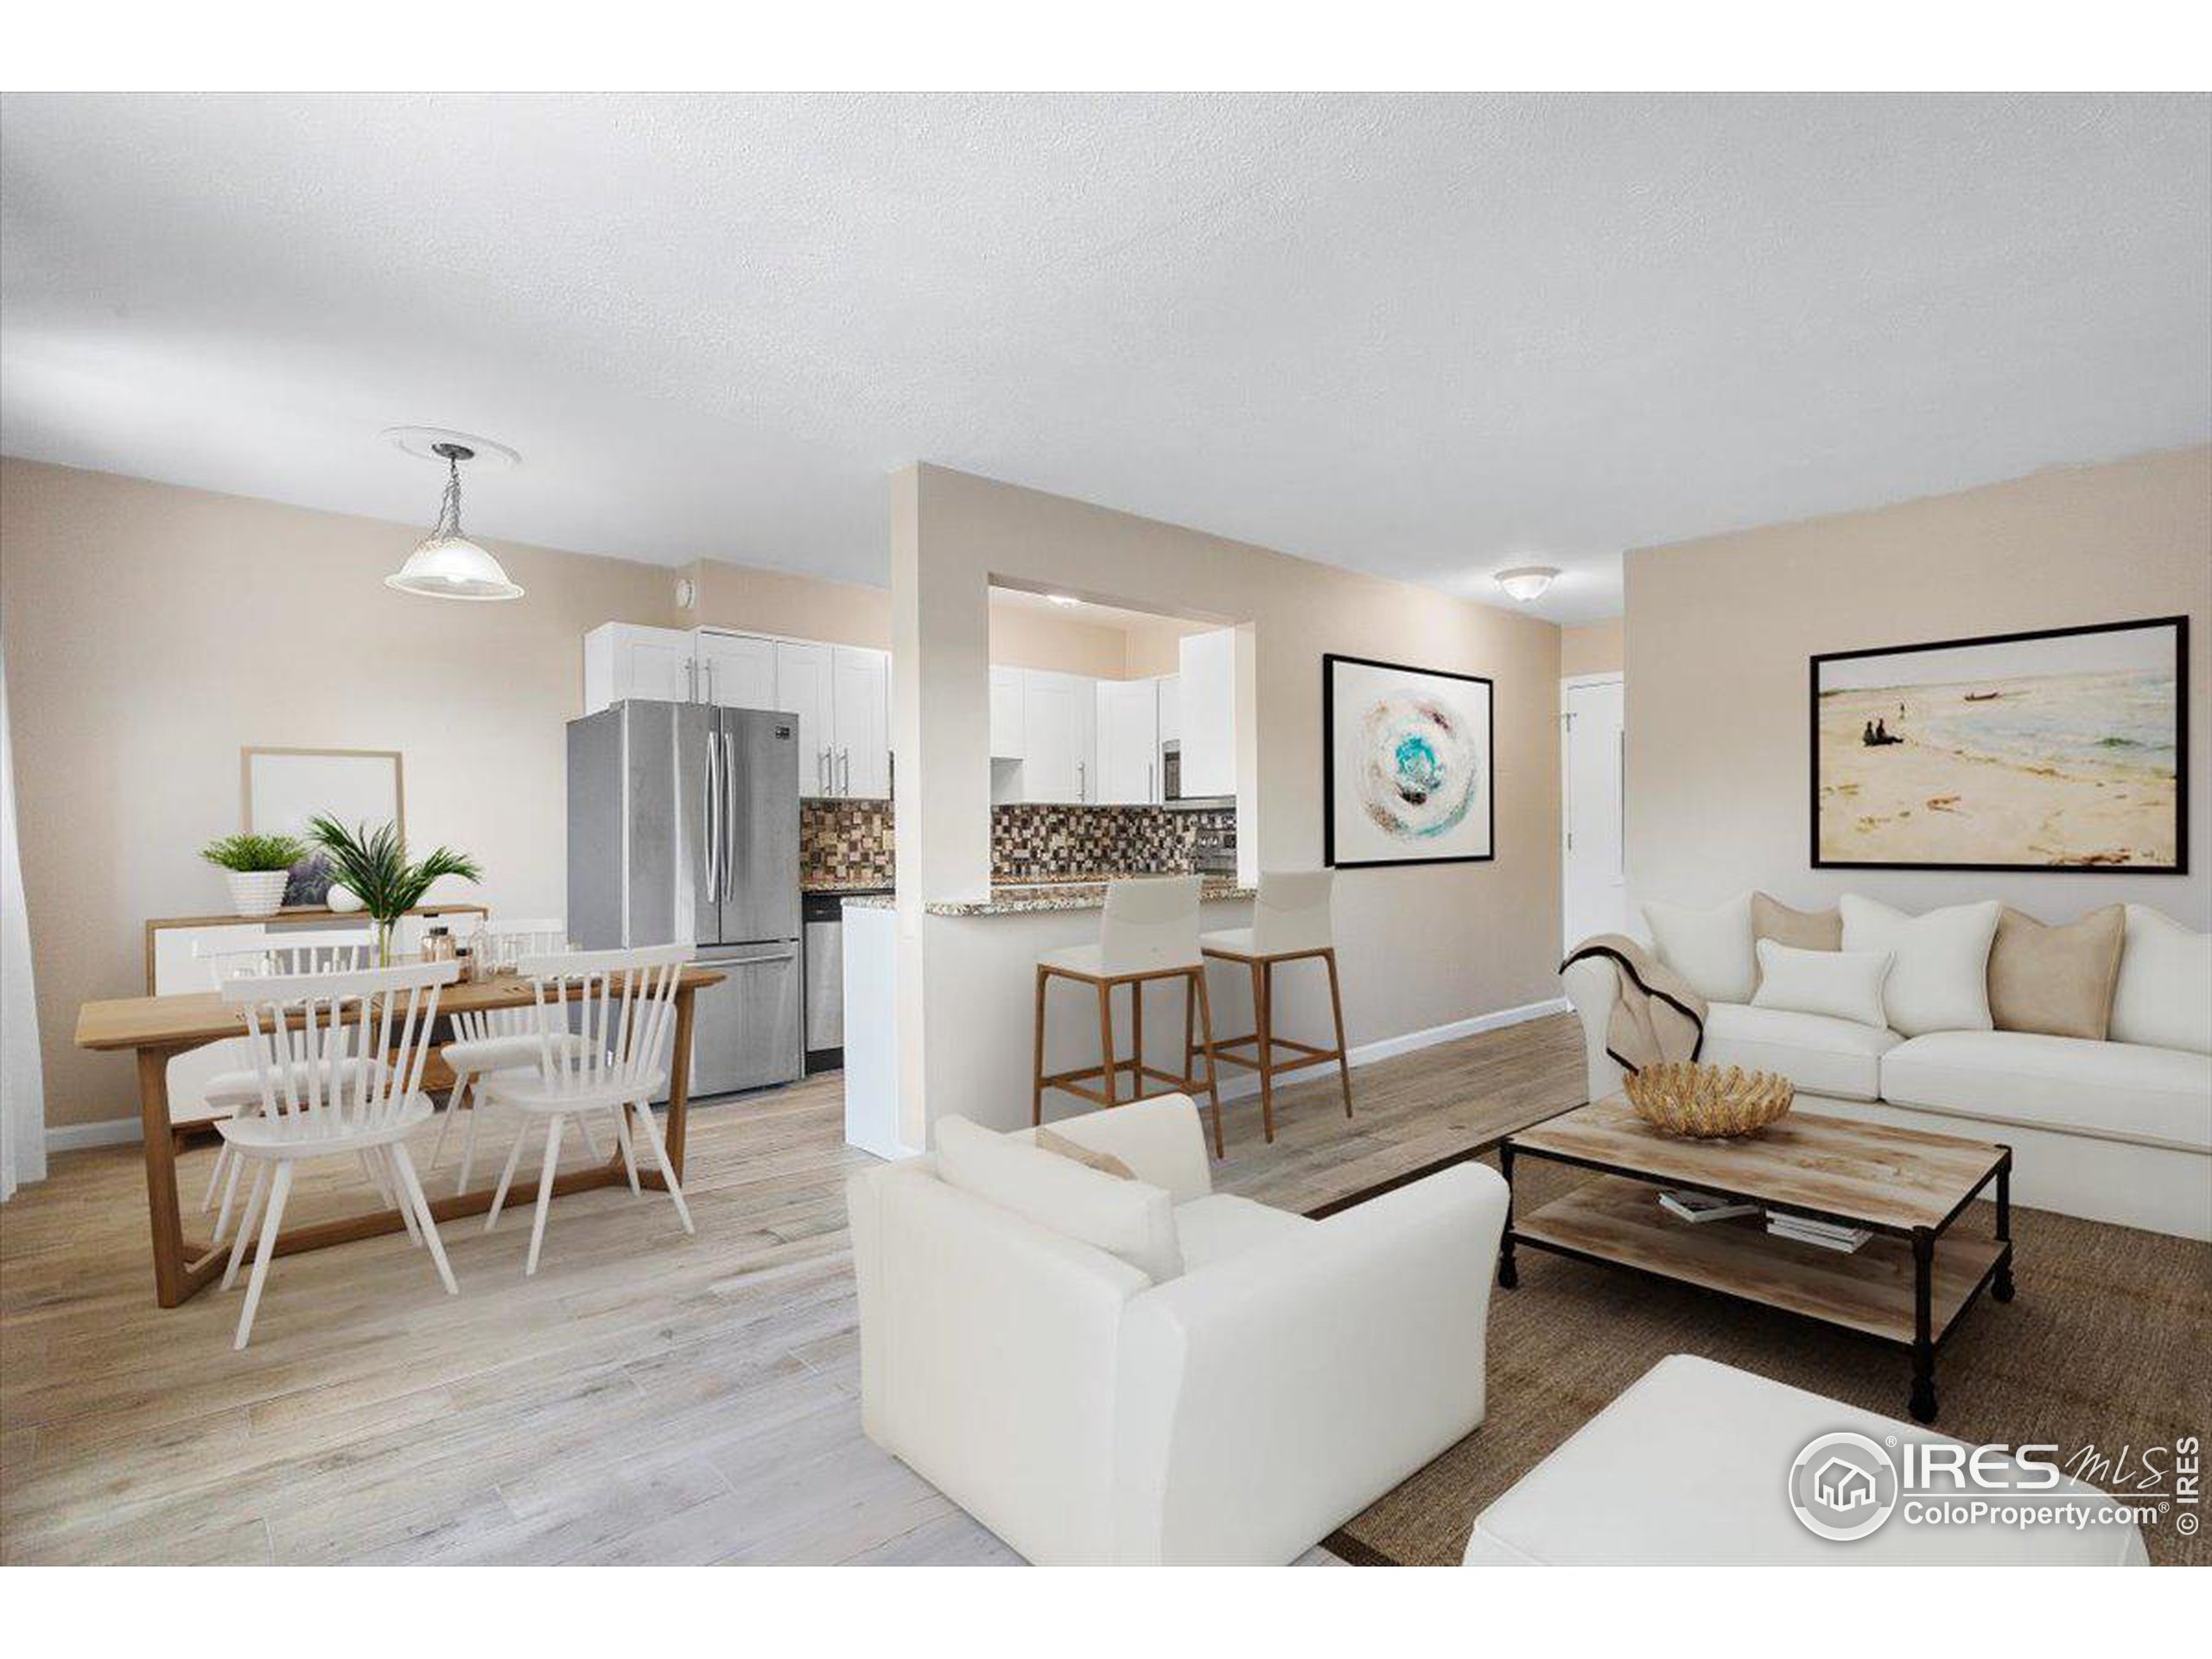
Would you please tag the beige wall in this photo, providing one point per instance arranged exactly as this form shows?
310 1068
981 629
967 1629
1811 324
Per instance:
152 631
1591 648
1719 770
1421 946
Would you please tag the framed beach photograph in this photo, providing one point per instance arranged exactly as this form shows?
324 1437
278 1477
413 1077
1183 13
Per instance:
1406 758
2064 749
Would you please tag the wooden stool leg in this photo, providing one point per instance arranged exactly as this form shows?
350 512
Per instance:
1262 989
1213 1081
1337 1001
1037 1084
1190 1027
1106 1038
1136 1036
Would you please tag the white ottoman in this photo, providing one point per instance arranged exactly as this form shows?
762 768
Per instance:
1691 1466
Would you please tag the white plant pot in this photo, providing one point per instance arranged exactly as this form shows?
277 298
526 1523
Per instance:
258 892
343 901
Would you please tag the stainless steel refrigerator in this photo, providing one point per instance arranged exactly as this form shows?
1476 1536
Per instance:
683 827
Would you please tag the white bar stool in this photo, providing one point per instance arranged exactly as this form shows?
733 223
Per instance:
1149 932
1290 922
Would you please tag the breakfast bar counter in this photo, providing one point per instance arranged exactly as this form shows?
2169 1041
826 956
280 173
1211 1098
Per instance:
1029 899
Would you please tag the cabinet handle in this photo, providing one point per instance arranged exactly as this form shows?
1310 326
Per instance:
845 772
691 678
821 772
1150 782
1081 781
710 683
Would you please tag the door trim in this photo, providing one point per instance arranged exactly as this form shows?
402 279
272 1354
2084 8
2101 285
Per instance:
1569 683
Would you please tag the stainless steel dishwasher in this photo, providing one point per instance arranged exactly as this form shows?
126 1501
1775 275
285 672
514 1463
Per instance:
821 917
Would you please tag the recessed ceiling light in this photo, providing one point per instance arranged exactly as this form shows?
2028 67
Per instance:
1063 599
1527 581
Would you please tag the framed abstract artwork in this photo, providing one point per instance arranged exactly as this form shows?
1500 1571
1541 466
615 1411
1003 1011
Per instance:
2065 749
1406 760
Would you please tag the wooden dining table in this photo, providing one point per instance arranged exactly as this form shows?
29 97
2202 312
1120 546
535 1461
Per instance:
158 1028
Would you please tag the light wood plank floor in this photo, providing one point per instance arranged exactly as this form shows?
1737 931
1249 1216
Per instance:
647 1398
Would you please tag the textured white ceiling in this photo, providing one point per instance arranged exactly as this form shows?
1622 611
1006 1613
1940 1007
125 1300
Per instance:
1424 336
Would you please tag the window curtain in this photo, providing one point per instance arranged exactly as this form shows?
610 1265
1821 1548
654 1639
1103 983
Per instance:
22 1087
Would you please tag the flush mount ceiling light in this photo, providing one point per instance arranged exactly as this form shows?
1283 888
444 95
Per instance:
1062 598
447 565
1527 581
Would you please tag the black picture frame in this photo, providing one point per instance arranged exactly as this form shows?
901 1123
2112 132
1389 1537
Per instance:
2179 625
1329 858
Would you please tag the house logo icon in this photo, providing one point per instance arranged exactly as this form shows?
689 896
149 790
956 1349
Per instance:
1843 1486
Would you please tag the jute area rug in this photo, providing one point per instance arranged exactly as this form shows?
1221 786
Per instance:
2108 1343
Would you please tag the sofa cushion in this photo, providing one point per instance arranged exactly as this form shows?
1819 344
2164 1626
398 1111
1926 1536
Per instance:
2157 1097
2058 980
1820 1055
1841 984
2164 993
1712 949
1800 930
1133 1220
1214 1228
1941 979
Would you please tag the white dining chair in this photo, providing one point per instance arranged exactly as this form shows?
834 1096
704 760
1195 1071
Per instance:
495 1039
606 1030
324 951
302 1028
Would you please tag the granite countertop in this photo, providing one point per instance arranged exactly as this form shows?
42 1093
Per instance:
845 884
1022 898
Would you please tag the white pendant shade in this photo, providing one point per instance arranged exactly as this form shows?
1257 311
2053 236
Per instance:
447 565
452 568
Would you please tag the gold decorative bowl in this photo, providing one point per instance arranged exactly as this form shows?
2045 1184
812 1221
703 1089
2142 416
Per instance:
1707 1102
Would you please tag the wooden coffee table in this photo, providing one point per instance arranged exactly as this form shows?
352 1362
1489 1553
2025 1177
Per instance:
1910 1284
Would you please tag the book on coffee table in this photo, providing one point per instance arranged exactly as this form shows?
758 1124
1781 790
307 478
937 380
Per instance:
1827 1235
1703 1206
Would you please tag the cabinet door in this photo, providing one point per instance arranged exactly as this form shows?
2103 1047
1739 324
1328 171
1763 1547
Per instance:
1171 707
1005 714
802 688
737 671
622 661
1056 711
1129 742
1209 713
861 720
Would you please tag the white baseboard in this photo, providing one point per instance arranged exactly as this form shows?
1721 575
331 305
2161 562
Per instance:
113 1132
1243 1083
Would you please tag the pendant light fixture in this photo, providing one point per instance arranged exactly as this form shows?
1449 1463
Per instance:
447 565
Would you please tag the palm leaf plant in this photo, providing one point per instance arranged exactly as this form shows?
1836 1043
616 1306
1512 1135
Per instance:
373 865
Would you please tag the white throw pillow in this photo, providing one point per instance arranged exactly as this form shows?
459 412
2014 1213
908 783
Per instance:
2164 994
1712 949
1133 1220
1842 984
1940 981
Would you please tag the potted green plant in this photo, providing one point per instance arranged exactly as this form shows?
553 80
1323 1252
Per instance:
372 864
257 867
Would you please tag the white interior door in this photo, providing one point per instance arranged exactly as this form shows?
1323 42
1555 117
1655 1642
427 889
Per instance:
1592 739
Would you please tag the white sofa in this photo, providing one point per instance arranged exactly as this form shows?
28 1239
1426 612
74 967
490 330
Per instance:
1237 1413
2112 1131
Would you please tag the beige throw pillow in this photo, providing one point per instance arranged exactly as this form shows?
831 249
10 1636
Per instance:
1104 1162
1800 930
2058 981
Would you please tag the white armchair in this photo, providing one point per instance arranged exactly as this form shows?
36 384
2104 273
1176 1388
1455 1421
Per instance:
1294 1372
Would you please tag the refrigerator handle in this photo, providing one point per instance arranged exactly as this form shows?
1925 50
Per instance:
729 805
713 833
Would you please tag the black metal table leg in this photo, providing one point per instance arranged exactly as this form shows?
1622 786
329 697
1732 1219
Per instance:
1508 1276
1924 1341
2001 1286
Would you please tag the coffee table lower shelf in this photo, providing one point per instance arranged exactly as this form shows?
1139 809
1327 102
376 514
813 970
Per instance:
1618 1221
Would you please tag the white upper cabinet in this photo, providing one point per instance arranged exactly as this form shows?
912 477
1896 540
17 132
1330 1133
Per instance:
737 671
1207 710
622 660
804 687
1059 721
1171 707
1005 714
840 694
1129 742
861 720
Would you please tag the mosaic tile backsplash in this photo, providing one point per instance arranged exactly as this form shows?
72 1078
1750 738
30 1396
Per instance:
1050 843
848 843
